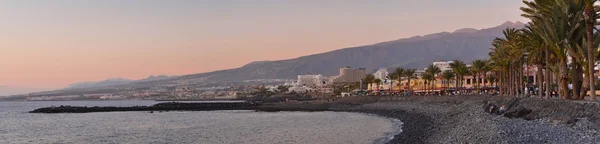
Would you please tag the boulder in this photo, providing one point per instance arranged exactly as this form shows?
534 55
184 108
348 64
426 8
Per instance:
563 120
518 112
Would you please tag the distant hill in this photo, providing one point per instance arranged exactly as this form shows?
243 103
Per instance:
416 52
115 81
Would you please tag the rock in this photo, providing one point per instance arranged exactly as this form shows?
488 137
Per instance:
561 119
530 116
518 113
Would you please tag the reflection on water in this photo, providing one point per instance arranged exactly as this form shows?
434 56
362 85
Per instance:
17 126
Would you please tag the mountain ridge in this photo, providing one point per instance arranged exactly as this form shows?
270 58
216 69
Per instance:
411 52
436 46
115 81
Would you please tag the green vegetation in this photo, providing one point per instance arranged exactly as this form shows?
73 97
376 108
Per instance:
460 70
368 80
448 76
561 38
377 83
432 72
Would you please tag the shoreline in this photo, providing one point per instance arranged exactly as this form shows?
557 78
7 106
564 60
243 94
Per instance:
413 129
415 126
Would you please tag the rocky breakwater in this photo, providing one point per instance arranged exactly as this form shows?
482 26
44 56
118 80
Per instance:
169 106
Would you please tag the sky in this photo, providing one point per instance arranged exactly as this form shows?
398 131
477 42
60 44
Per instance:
48 45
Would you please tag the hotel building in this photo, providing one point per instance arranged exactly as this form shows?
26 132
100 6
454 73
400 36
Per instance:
348 75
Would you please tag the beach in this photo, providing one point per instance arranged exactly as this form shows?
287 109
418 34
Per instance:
462 119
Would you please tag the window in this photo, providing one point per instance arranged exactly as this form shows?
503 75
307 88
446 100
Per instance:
468 81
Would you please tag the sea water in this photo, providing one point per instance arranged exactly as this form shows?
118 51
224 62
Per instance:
193 127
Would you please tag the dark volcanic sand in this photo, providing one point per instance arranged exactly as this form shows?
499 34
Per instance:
461 119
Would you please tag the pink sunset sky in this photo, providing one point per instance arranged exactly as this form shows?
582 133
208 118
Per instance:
50 44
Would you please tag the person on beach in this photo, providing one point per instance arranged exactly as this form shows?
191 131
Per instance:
491 108
502 109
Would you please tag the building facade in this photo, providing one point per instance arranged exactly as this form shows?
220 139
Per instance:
381 73
349 75
443 65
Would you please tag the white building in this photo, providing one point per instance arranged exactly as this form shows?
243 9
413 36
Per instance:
381 74
443 65
419 72
348 74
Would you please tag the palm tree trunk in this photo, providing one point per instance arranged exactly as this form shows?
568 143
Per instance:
501 86
563 79
585 86
426 87
591 61
477 82
509 82
513 82
518 80
480 79
456 83
576 80
547 75
506 79
462 81
433 86
521 83
408 85
589 25
484 78
540 79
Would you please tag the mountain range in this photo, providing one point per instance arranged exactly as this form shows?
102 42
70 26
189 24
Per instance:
115 81
415 52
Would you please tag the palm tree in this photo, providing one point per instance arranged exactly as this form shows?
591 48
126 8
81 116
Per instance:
369 79
399 74
433 71
392 76
501 65
448 75
590 22
538 11
409 74
477 67
427 77
491 79
559 31
535 47
459 68
377 83
484 70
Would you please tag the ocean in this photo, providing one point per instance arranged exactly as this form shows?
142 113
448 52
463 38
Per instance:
187 127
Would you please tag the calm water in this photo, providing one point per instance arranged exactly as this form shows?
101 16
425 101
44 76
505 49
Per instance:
214 127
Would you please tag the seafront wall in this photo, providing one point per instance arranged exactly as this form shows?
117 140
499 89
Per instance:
167 106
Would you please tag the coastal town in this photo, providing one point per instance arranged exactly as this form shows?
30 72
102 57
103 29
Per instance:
300 72
443 77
